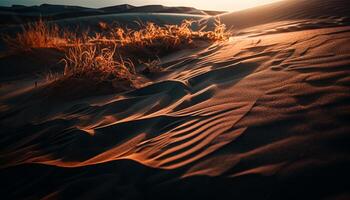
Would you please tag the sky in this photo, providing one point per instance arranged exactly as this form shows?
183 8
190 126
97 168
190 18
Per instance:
223 5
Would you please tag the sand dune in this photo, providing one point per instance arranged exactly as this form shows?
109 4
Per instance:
262 116
18 14
289 10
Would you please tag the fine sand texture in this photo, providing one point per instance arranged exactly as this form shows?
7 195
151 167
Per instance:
261 116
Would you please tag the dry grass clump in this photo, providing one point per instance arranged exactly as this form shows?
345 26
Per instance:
94 58
95 63
103 26
37 35
42 35
151 66
219 33
162 38
92 70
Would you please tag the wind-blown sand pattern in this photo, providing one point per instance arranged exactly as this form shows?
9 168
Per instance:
261 116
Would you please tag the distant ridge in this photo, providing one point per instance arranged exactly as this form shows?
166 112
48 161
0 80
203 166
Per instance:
17 14
118 8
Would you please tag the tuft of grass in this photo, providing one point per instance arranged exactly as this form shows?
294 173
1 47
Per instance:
95 63
220 32
152 66
103 26
37 35
50 76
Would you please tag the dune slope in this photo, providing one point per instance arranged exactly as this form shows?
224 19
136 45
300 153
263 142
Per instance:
262 116
289 10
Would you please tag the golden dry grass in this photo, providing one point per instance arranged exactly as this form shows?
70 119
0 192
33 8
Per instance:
165 37
96 63
110 56
37 35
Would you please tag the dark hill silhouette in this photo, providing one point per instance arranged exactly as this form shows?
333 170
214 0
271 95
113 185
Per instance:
18 14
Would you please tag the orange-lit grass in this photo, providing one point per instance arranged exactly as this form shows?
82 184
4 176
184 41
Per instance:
168 37
94 58
92 70
96 63
37 35
42 35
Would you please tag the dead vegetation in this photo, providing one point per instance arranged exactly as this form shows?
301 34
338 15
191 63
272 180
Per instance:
164 38
110 55
37 35
151 66
96 63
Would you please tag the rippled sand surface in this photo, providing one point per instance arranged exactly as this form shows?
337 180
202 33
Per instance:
262 116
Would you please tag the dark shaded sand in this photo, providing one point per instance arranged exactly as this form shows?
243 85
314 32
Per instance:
262 116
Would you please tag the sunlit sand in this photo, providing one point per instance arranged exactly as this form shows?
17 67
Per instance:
245 105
